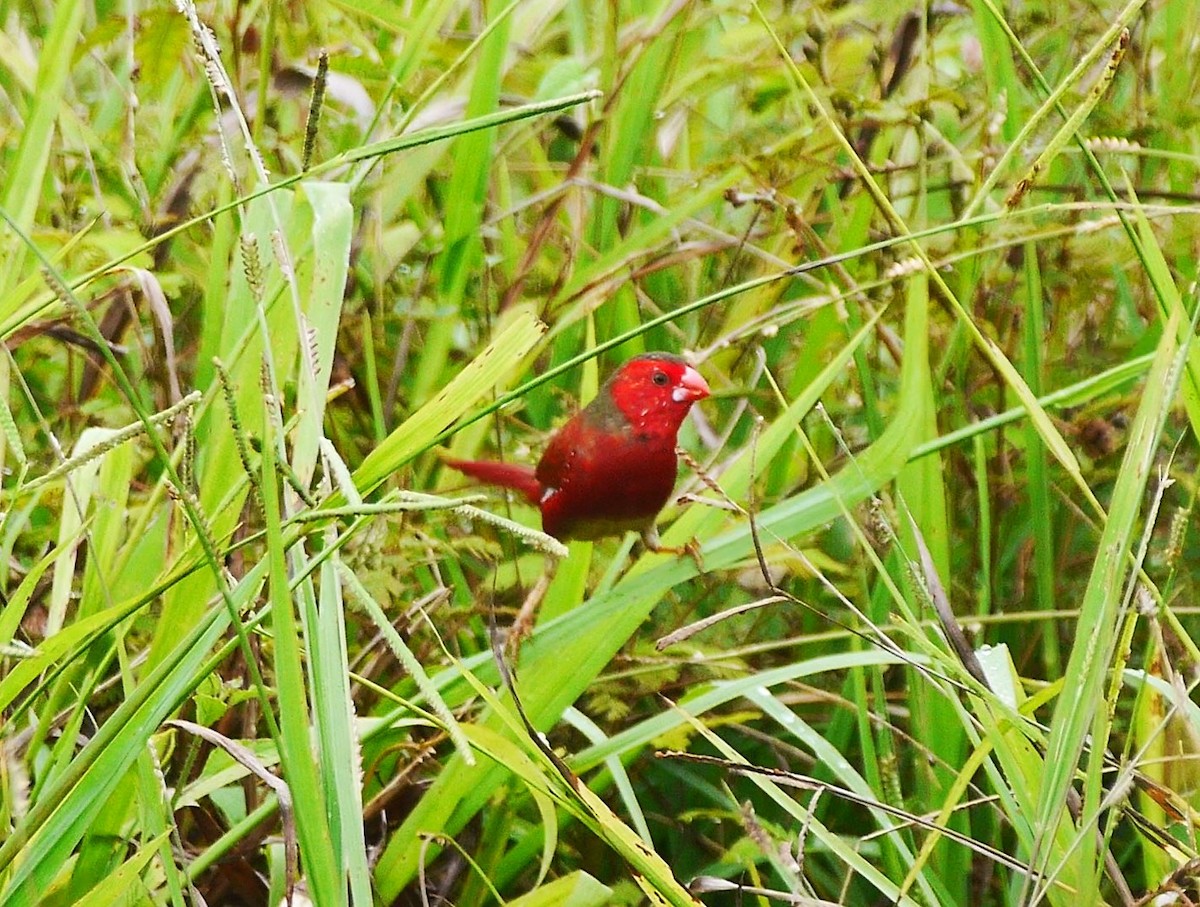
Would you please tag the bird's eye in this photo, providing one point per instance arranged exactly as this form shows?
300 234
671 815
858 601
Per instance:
661 379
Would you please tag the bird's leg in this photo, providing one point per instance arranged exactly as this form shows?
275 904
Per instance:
691 548
522 626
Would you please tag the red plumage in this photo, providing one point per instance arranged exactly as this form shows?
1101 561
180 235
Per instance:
507 475
611 468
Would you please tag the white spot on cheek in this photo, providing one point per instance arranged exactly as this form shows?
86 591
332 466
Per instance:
680 394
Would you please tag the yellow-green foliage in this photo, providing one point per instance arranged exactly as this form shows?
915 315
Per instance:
261 265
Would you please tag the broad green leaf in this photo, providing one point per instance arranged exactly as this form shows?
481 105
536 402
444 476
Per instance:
577 889
1079 712
474 382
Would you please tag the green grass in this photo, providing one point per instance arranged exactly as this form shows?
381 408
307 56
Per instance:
938 268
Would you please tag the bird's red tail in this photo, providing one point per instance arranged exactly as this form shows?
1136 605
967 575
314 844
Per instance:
508 475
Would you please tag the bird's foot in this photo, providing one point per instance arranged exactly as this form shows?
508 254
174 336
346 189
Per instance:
522 626
691 548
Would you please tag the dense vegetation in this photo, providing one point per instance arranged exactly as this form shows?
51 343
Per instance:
262 262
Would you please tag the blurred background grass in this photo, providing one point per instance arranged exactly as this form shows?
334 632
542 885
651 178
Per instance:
968 233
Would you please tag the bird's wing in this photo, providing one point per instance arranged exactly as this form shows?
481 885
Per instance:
555 464
577 439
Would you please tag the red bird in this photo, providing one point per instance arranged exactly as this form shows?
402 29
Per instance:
611 467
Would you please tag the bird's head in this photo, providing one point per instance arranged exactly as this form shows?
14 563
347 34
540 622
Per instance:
656 387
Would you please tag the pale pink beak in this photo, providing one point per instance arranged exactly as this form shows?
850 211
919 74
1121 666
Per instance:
691 387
